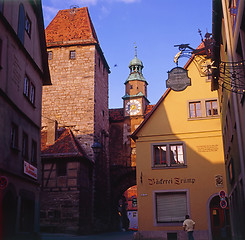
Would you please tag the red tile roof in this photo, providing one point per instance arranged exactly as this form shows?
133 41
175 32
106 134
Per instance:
65 146
116 114
71 26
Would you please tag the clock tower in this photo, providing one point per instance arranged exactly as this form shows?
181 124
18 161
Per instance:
135 98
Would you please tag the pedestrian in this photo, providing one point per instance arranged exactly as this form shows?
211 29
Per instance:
189 226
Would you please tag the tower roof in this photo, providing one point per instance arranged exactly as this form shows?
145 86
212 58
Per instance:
135 61
71 26
136 67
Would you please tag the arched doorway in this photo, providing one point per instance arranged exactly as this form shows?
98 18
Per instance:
220 220
121 180
127 208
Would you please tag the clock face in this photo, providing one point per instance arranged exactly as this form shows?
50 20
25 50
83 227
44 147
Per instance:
133 107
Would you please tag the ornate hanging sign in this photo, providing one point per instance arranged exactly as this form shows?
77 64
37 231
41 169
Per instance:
178 79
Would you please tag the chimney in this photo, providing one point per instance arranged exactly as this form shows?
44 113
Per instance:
51 132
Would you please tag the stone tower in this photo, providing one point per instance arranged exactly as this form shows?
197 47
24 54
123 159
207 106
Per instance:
78 97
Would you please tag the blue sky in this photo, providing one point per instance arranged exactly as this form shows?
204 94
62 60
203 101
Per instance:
154 25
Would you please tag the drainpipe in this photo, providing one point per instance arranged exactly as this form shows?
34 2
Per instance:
231 59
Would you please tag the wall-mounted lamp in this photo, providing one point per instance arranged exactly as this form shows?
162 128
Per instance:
96 148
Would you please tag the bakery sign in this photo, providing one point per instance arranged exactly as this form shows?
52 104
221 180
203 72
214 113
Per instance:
30 170
178 79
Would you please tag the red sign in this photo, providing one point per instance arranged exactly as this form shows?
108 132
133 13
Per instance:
30 170
3 182
223 203
222 194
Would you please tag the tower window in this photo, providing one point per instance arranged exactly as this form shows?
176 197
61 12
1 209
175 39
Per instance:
131 86
50 55
73 54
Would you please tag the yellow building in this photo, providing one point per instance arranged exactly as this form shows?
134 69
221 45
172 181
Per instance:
180 162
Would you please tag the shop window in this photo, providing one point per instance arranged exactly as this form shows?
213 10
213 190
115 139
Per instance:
21 23
14 136
72 54
211 108
170 207
195 109
168 155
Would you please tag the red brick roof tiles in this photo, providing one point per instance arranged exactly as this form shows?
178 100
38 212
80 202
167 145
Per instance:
116 114
71 26
65 146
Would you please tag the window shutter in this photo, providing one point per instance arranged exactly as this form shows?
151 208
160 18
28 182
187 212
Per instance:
171 207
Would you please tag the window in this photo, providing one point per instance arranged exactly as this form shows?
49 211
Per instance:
26 86
32 93
1 48
1 5
195 109
28 25
50 55
73 54
14 136
25 146
169 154
61 169
34 153
211 108
231 171
29 90
204 108
171 207
21 23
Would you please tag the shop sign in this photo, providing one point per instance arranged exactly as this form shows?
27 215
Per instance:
170 181
178 79
30 170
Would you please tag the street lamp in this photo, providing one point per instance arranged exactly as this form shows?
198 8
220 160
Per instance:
96 148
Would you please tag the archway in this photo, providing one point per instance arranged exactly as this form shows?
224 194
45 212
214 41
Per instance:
130 196
122 180
220 220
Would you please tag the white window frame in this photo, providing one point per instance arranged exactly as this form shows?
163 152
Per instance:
168 159
27 84
179 223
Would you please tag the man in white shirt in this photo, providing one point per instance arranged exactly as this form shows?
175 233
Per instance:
189 226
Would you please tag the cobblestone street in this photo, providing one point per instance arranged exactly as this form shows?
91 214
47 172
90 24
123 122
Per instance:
104 236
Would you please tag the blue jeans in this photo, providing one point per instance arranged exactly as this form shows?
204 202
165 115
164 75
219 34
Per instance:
190 235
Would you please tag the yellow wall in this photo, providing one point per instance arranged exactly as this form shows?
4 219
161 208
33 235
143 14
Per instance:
204 154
